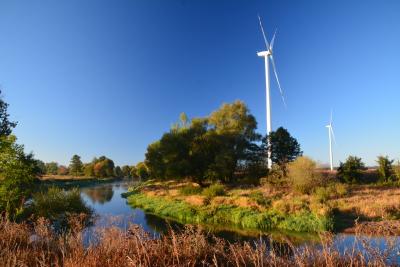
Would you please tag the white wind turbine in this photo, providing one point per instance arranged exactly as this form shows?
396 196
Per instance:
267 54
331 136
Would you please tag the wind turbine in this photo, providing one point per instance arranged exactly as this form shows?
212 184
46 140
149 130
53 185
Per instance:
267 54
331 136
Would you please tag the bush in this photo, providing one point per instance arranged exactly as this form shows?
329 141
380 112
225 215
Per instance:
58 206
302 175
322 194
214 190
351 170
260 199
385 169
190 190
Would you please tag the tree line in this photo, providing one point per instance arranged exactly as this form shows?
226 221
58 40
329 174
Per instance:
101 167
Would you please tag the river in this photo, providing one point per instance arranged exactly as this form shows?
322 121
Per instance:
112 210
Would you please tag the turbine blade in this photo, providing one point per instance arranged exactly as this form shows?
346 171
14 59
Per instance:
330 122
277 80
271 46
263 33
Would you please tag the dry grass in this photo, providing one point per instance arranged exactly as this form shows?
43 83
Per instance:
372 202
37 245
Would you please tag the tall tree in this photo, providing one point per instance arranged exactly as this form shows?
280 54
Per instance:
76 166
51 168
6 126
284 148
118 172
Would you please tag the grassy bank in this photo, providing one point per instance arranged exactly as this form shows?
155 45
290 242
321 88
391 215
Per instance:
335 207
244 208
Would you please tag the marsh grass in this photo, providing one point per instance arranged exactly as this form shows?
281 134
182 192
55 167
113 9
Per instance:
38 245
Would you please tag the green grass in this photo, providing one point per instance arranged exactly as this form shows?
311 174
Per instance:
214 190
190 190
229 215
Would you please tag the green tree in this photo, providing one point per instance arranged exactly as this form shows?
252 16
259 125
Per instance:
103 167
385 169
126 171
41 167
142 171
76 166
51 168
88 170
134 172
118 172
351 170
6 125
17 174
284 148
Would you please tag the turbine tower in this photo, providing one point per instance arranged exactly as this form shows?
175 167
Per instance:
331 136
267 54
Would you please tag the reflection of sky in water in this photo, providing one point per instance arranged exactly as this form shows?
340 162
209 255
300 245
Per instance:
113 210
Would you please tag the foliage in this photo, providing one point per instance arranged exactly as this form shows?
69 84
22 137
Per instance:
351 170
51 168
334 190
385 169
304 221
126 171
303 176
88 170
6 126
76 166
103 167
260 199
214 190
396 169
142 171
17 174
40 167
190 189
62 170
58 205
118 172
219 147
284 148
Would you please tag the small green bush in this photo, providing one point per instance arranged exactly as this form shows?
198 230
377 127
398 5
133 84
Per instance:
260 199
341 189
214 190
190 190
58 205
302 175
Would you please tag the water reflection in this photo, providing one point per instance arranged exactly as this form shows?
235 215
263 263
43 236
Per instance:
99 194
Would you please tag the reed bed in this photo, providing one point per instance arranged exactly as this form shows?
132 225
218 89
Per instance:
36 244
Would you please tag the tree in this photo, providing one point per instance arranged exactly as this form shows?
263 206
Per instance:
6 126
142 171
88 170
62 170
284 148
40 167
118 172
351 170
76 166
126 171
51 168
385 169
134 172
17 174
103 167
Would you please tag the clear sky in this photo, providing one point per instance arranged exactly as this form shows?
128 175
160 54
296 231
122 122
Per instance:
109 77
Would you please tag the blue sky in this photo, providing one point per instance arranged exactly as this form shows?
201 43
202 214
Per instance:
109 77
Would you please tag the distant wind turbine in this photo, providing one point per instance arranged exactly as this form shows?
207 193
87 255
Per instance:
331 136
267 54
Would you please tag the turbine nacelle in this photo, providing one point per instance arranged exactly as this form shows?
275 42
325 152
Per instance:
264 53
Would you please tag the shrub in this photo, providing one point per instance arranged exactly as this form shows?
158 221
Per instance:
385 169
322 194
302 175
190 190
214 190
260 199
351 170
396 169
58 206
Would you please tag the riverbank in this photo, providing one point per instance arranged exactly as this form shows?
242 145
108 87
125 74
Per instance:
37 244
266 207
